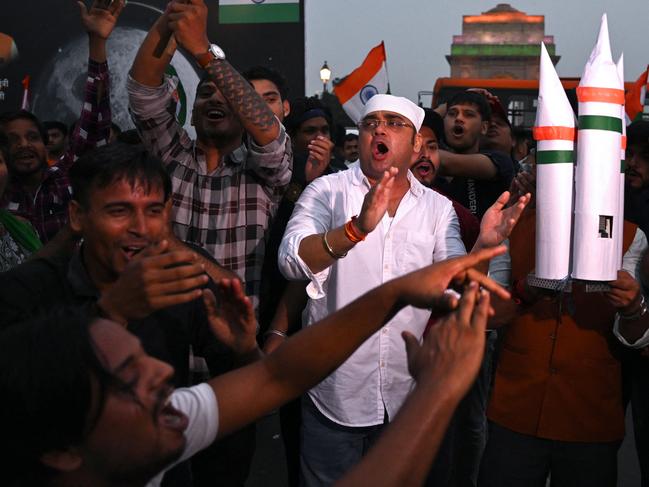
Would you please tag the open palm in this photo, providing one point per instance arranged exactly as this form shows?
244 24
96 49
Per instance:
100 19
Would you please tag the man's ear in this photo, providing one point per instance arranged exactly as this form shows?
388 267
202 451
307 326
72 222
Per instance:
419 140
287 107
484 127
62 460
77 214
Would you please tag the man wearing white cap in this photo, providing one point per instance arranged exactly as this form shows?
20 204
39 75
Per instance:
351 231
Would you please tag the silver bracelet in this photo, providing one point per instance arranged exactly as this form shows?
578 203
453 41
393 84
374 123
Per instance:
638 314
276 332
328 248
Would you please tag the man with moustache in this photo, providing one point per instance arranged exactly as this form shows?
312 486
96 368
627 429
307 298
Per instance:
225 193
350 231
40 193
426 166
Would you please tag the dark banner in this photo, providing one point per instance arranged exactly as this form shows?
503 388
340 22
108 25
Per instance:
45 41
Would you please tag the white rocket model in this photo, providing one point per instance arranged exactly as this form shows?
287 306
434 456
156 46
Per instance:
597 209
554 131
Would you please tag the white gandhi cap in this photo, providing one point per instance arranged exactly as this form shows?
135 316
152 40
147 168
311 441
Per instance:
396 104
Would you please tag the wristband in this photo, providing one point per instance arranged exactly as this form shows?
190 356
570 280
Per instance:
330 251
638 314
352 232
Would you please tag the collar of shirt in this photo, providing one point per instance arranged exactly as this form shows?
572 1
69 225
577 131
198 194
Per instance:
79 278
236 157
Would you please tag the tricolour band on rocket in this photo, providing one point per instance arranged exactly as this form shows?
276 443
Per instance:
554 131
600 95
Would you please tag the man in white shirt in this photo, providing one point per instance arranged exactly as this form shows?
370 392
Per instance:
349 232
88 406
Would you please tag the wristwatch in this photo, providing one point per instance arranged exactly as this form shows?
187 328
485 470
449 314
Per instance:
213 52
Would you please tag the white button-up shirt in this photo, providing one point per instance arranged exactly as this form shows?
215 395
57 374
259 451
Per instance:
424 229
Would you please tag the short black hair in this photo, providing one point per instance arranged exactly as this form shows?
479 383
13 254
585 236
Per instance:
272 75
49 373
7 117
55 124
113 162
472 98
300 107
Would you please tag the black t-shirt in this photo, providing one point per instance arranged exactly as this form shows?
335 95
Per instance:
478 194
38 286
636 207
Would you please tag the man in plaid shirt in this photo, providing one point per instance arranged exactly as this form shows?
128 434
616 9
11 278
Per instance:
225 192
40 193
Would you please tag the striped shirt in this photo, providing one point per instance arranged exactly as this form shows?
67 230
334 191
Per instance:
229 210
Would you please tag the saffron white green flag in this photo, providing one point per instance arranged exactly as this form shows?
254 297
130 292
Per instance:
258 11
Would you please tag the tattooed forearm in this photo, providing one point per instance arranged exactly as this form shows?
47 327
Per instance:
253 111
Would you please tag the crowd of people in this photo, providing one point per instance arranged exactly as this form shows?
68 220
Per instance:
159 294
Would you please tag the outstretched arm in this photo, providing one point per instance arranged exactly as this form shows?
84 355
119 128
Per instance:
445 366
151 61
188 21
94 121
311 354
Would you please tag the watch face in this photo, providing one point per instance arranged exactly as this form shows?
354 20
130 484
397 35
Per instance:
217 51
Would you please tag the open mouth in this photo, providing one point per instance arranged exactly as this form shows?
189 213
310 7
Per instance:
423 168
132 250
458 130
214 115
380 150
171 418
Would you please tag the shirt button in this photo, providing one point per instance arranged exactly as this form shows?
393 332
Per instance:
382 363
384 331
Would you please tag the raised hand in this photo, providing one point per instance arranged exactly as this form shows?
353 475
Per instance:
319 157
453 347
101 18
153 280
376 202
231 316
499 221
188 21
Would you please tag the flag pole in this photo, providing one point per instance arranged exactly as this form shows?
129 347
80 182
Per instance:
387 73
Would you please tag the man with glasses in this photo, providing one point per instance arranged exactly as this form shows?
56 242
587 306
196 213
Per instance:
349 232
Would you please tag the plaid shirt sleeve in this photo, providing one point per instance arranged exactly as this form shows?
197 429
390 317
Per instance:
93 129
273 163
153 112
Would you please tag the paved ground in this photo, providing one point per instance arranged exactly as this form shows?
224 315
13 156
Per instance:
269 469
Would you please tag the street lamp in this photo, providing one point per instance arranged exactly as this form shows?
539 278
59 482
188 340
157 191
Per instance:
325 76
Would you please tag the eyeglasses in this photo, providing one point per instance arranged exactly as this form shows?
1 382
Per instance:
393 125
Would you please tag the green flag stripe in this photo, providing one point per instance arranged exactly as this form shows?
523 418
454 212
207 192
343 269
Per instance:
600 122
622 166
555 156
259 13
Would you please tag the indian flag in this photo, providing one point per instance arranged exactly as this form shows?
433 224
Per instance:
369 79
636 102
258 11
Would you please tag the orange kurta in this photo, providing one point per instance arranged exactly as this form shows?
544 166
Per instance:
558 376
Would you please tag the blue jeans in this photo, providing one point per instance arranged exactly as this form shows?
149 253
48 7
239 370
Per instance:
328 450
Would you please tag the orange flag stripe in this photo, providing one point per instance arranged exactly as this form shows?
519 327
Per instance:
554 133
602 95
358 78
624 142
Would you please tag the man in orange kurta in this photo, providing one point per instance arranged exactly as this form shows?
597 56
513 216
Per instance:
556 406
